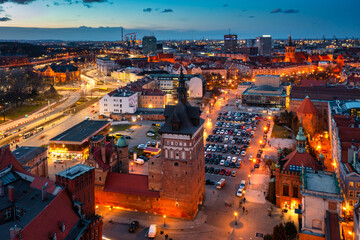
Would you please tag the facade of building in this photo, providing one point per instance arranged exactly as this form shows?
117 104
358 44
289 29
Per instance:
321 206
33 207
152 98
118 101
149 45
287 176
345 148
264 45
74 143
105 65
174 185
60 73
230 43
33 159
266 92
169 83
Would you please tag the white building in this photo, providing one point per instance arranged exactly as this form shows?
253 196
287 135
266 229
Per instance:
118 102
170 82
105 65
322 204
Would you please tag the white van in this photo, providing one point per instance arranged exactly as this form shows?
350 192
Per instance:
152 231
220 183
139 161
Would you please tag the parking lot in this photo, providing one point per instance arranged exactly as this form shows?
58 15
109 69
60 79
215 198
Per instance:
226 149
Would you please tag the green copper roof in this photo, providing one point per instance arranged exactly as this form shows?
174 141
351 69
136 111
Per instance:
122 142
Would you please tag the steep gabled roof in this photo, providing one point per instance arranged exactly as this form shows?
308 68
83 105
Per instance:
300 159
307 107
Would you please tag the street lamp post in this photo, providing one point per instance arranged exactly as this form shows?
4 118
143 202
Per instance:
235 215
164 220
132 166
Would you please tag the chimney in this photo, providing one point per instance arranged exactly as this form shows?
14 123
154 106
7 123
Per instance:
44 192
11 194
2 190
14 232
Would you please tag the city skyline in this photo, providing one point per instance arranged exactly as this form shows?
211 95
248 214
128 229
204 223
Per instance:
185 20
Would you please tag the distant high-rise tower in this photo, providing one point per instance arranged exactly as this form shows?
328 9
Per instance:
230 43
290 49
264 45
149 45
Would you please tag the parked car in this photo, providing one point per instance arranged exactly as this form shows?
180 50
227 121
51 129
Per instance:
152 231
233 173
133 226
139 161
222 171
227 173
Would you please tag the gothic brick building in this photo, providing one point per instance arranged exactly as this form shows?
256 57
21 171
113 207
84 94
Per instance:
60 73
174 185
33 207
308 114
288 172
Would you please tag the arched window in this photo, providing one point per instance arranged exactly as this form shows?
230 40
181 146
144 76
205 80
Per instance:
176 164
166 153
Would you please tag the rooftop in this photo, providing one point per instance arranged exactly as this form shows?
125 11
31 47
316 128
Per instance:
325 93
25 154
133 184
74 171
81 131
320 183
121 93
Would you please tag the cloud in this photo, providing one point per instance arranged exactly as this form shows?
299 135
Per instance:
5 19
225 5
94 1
168 10
17 1
276 10
279 10
147 10
291 11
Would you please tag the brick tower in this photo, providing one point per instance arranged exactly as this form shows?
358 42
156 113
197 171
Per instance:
179 172
79 181
290 51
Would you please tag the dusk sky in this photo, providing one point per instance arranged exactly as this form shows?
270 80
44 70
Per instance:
302 19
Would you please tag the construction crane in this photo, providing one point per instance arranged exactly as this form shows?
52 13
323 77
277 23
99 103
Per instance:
131 40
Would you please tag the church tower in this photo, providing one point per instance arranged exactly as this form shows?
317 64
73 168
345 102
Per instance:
301 141
179 172
290 51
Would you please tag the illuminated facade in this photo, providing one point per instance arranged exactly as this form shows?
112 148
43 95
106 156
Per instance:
74 143
152 98
60 73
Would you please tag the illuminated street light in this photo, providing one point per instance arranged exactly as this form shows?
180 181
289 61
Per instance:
164 220
261 141
235 215
132 166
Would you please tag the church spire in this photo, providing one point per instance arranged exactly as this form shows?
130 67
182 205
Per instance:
300 140
182 95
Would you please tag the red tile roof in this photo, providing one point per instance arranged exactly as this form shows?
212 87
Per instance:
311 83
96 151
307 107
153 92
133 184
7 158
328 93
300 159
59 210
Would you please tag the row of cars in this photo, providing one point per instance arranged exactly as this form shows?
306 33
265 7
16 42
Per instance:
238 117
222 160
221 171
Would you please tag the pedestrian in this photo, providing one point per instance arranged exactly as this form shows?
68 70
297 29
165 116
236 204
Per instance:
243 209
244 199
